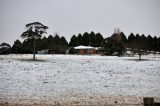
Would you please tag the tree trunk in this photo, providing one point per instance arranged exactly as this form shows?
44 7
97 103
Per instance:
34 49
154 54
139 56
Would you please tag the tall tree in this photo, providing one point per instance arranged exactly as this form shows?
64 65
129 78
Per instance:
143 41
73 42
64 45
64 41
139 44
27 46
17 47
57 39
50 41
131 41
93 39
159 44
80 39
86 39
99 39
131 38
149 43
34 31
155 44
123 37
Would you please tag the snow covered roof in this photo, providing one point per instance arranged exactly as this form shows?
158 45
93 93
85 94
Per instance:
84 47
97 48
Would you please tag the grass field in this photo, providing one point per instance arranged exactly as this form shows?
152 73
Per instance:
78 80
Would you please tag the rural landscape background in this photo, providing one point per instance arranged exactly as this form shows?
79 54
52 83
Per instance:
79 53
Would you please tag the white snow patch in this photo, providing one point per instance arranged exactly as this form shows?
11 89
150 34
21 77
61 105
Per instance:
76 76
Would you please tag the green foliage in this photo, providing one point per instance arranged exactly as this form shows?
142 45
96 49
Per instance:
87 39
93 41
5 48
80 39
131 38
55 44
99 39
34 31
74 41
118 42
17 47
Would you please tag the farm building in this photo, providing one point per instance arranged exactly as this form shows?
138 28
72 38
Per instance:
85 50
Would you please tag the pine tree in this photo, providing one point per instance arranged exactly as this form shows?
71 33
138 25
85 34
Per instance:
99 39
86 39
50 40
74 41
80 39
17 47
93 39
131 38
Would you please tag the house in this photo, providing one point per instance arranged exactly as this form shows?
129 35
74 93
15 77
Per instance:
85 50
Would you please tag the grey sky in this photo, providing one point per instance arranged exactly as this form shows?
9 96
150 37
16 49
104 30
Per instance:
68 17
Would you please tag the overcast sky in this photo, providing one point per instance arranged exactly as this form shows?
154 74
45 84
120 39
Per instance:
68 17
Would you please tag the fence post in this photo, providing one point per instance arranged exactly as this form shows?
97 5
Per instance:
149 101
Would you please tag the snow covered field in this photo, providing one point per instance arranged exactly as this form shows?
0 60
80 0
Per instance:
76 79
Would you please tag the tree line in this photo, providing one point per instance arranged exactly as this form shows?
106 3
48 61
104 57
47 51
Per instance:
117 42
57 44
87 39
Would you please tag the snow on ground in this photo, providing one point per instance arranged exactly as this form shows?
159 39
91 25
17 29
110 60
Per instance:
78 78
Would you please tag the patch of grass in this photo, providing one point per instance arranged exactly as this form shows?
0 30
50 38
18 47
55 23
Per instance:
139 60
37 60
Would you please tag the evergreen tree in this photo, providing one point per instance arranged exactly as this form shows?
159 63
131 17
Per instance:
155 43
86 39
74 41
44 43
27 46
64 41
57 39
149 43
93 39
131 38
17 47
80 39
99 39
158 44
64 45
123 37
50 40
143 41
137 37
